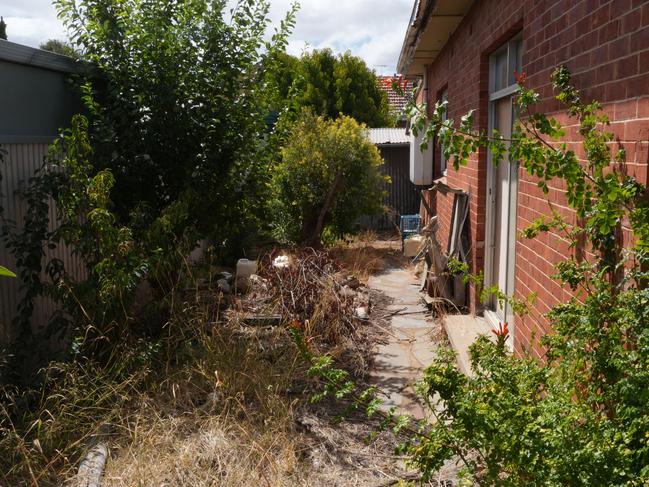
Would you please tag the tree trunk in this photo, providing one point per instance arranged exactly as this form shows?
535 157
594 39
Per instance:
312 231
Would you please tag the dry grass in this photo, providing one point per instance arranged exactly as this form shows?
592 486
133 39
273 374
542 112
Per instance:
211 403
366 255
43 431
219 400
231 448
224 418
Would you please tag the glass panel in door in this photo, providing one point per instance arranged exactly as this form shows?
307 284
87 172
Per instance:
505 189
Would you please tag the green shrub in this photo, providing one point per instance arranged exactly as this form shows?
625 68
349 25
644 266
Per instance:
327 178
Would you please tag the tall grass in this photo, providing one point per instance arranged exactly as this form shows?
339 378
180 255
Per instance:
365 255
200 367
208 402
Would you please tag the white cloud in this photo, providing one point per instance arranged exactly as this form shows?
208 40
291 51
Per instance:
31 22
371 29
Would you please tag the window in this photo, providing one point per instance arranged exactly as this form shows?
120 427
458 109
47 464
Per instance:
505 62
442 159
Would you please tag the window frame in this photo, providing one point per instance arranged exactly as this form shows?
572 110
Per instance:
443 162
514 48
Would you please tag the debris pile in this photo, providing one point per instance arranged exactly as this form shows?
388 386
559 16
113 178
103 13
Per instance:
333 309
336 312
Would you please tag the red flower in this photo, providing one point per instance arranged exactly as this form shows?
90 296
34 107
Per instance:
502 332
520 78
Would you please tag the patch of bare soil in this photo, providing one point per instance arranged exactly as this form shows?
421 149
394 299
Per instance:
365 257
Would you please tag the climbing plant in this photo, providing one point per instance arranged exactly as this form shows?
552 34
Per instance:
580 416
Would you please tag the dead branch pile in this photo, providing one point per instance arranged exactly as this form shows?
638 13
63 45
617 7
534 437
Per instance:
299 285
332 307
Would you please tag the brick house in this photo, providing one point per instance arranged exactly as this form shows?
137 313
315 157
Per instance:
466 52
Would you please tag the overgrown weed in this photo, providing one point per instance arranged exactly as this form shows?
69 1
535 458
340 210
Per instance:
198 365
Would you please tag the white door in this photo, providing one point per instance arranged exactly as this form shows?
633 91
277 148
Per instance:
502 184
504 189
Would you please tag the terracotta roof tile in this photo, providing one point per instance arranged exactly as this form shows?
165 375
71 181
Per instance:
396 101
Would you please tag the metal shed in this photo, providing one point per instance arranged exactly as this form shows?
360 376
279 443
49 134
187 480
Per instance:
403 197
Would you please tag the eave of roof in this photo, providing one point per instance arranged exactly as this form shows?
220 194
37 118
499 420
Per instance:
29 56
431 24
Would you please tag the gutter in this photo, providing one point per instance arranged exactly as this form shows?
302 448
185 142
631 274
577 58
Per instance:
418 21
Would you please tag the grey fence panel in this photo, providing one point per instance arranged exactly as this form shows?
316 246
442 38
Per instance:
21 163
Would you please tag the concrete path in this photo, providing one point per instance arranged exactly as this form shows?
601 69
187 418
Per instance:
462 331
399 363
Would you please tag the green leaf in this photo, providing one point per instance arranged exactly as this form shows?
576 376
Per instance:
6 272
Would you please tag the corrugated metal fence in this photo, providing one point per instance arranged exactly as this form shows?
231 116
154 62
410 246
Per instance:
21 162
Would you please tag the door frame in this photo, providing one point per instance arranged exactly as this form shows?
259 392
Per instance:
513 48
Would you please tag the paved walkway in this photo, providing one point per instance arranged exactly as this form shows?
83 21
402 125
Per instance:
399 363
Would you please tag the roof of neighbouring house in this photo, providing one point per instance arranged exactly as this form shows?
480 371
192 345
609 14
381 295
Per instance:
389 136
395 100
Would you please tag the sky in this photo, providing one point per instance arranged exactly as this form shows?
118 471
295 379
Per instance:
371 29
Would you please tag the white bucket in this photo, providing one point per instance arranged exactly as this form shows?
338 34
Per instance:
412 245
246 268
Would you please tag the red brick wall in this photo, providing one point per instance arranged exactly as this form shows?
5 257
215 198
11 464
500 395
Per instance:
606 46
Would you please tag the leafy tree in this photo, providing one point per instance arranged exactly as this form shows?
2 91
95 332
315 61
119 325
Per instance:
328 177
60 47
328 86
283 77
332 85
178 111
3 29
172 151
